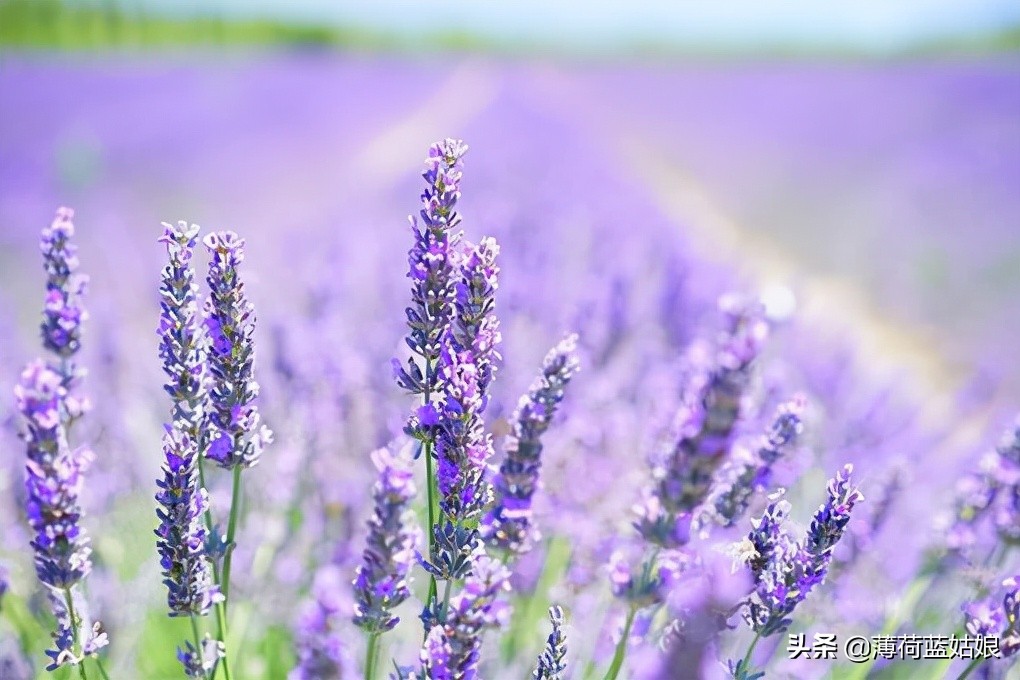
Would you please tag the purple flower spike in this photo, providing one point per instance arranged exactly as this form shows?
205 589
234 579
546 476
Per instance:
433 267
54 476
183 346
463 448
238 436
53 481
63 313
181 533
509 524
435 656
475 327
993 617
706 423
729 501
784 570
200 663
319 638
552 664
382 579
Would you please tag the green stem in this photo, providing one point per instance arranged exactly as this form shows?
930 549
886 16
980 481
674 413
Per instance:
746 663
621 647
446 597
75 633
235 503
371 656
430 484
970 668
102 669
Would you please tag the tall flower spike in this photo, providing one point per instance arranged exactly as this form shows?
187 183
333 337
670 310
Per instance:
786 571
552 664
382 579
53 481
706 424
54 476
728 503
183 346
432 269
181 535
230 320
508 524
64 313
319 639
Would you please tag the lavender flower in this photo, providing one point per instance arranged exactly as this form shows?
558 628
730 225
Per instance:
474 327
63 313
993 491
182 533
785 571
182 346
199 663
731 498
706 424
432 269
321 650
53 481
231 325
1006 470
508 524
435 656
660 572
552 664
382 579
463 448
997 617
453 651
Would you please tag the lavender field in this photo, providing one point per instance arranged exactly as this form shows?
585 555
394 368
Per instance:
739 365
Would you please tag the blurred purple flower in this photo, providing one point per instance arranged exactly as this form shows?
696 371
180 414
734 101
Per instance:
730 498
322 651
706 428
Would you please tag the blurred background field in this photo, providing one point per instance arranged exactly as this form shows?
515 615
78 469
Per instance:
863 172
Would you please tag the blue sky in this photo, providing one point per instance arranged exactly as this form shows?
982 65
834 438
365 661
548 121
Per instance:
869 24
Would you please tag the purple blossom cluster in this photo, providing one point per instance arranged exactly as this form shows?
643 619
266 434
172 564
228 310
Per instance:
382 579
732 495
183 501
452 648
993 492
509 524
785 570
237 437
999 618
639 304
54 470
63 311
705 428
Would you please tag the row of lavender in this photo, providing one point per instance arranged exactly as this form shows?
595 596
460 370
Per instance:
702 479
